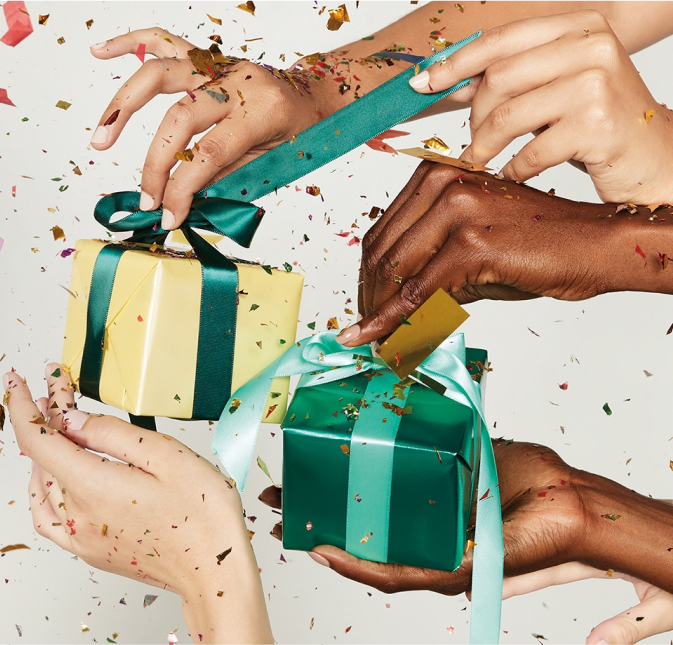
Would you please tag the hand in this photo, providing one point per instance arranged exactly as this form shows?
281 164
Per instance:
133 515
570 76
552 531
652 615
480 237
252 109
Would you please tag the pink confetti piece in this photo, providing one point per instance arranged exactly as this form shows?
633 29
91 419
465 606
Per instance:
18 22
4 98
1 243
13 191
354 241
67 252
140 52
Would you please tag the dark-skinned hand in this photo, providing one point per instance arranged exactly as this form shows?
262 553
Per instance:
480 237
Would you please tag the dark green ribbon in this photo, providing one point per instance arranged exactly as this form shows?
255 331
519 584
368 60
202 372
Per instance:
217 209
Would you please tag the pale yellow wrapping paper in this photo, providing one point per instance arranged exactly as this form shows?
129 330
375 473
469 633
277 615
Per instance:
149 360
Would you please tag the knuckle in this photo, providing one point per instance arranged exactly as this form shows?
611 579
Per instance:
493 37
501 118
494 78
385 270
182 115
370 263
211 150
604 49
413 293
592 17
528 158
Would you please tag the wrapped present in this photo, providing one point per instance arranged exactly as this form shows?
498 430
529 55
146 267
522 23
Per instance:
380 470
158 332
386 469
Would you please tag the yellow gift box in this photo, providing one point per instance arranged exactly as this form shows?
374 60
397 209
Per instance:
152 329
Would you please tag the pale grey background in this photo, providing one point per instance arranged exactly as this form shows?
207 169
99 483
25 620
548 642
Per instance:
612 338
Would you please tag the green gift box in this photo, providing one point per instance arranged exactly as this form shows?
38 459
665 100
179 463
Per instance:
434 459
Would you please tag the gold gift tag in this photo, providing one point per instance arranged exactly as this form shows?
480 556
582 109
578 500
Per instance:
427 328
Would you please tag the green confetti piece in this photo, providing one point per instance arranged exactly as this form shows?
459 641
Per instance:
253 307
275 395
282 341
607 410
288 267
262 465
25 118
176 398
368 38
306 238
311 325
62 189
406 322
57 178
267 268
56 373
611 516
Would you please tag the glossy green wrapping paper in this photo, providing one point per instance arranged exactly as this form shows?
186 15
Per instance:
435 462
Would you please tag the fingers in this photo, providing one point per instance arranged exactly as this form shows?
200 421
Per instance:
53 451
499 43
145 449
391 578
157 41
652 616
421 194
45 520
559 575
61 394
156 76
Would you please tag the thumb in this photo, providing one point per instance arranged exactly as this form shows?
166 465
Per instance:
652 616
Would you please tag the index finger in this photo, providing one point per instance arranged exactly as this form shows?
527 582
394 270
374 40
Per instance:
499 43
157 41
48 447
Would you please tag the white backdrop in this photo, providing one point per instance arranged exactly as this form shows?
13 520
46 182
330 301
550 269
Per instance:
600 347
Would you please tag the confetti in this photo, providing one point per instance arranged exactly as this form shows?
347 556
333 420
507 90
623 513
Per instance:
438 145
345 449
249 7
83 628
262 465
639 251
607 410
112 118
18 22
563 386
42 20
611 517
217 21
64 105
337 17
140 52
332 323
148 600
223 555
13 547
89 24
234 406
19 630
670 463
184 155
460 8
2 418
58 233
4 98
648 115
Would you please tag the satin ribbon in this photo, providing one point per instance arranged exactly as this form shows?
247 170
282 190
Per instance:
321 359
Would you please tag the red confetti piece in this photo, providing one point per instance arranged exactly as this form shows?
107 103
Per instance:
112 118
140 52
488 192
140 319
485 495
563 386
542 494
640 252
4 98
398 358
354 241
346 234
18 22
13 191
537 218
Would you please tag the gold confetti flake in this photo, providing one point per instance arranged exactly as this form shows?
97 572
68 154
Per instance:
64 105
345 449
43 19
249 7
648 115
337 17
438 145
217 21
89 24
57 232
332 323
184 155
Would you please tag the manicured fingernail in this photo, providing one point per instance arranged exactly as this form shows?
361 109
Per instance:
146 201
319 559
271 496
5 382
420 81
74 419
348 334
101 135
99 45
167 220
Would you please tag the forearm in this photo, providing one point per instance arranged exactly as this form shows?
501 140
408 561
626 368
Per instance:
429 28
627 532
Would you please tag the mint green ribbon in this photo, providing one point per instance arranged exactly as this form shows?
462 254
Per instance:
321 359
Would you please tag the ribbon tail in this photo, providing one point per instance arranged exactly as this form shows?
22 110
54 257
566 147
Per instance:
489 555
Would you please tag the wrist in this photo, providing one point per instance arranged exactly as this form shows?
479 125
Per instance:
625 531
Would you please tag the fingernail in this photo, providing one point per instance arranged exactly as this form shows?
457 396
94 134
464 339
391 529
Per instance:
74 419
319 559
348 334
146 201
5 381
101 135
602 642
99 45
167 220
420 81
50 369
